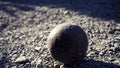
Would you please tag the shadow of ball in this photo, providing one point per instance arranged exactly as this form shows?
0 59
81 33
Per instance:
67 43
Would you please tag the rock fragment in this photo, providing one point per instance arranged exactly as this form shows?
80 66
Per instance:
1 56
21 59
37 48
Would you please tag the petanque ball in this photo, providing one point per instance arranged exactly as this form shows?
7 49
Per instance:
67 43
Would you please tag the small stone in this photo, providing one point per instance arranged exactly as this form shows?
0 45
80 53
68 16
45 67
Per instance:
1 56
102 53
118 27
66 12
21 59
116 61
37 48
39 61
111 59
89 54
13 56
40 66
62 66
116 45
56 66
92 53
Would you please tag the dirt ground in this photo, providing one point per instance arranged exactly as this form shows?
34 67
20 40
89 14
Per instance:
26 24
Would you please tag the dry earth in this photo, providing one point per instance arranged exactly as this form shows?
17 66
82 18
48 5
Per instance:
26 24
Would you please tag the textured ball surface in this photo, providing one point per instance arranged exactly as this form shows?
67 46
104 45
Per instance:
67 43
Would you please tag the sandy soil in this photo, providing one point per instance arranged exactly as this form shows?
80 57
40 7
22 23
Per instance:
25 26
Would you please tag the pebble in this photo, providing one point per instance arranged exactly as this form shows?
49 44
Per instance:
117 27
40 66
66 12
21 59
99 28
56 66
1 56
116 45
111 59
102 53
62 66
90 54
37 48
117 61
13 56
39 63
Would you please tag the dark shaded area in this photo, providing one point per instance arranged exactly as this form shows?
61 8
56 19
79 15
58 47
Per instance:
99 64
3 57
12 6
4 63
103 9
115 31
92 64
3 26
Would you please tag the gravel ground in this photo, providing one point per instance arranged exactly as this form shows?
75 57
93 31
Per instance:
25 26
